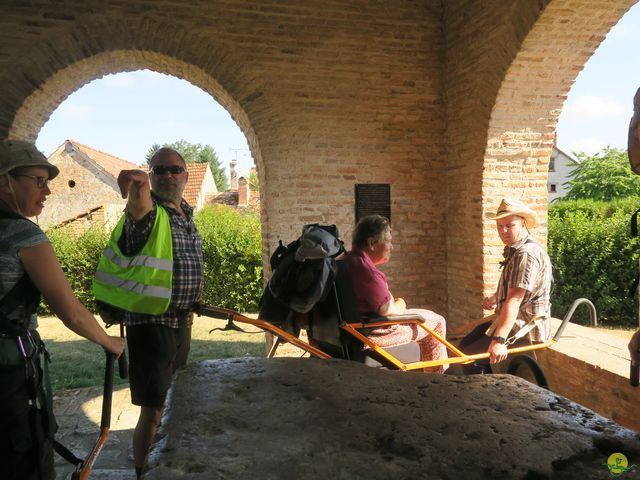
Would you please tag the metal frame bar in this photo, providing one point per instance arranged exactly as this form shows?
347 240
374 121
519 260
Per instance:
226 314
84 469
352 329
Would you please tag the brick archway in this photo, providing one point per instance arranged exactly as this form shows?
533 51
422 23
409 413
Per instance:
335 95
40 104
525 115
517 81
450 103
37 107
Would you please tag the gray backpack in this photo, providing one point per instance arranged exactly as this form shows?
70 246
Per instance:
304 271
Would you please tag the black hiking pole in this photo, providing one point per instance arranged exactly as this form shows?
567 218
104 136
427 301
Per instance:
84 469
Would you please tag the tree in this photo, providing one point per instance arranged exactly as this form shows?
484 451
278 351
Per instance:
603 176
254 181
152 149
197 153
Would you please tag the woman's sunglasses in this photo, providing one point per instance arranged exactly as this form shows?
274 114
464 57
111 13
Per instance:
172 169
41 182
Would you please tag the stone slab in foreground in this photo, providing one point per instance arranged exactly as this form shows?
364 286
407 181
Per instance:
300 419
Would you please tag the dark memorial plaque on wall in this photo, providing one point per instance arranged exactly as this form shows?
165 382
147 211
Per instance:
373 198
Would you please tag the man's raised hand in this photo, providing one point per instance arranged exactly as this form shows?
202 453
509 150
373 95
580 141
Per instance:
133 183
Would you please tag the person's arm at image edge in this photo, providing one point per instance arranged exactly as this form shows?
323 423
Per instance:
633 140
46 273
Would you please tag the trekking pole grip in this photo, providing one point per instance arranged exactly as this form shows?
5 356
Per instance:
108 391
123 371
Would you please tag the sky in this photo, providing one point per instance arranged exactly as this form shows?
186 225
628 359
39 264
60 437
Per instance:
599 106
124 114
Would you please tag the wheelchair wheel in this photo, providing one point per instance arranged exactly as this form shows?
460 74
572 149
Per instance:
526 367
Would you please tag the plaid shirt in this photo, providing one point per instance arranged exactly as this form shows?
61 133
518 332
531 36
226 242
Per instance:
528 266
187 264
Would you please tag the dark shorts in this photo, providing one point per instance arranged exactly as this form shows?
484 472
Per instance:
155 353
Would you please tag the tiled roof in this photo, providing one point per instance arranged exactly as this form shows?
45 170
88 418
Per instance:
113 165
194 185
110 163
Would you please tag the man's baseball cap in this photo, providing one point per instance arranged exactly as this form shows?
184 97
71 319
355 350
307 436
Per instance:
16 153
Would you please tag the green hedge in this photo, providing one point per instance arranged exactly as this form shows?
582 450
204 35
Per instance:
595 257
231 249
589 243
79 257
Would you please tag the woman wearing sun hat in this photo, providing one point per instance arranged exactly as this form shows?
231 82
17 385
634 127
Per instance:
521 300
28 269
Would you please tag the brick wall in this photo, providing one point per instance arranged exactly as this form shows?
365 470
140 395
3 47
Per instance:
452 103
599 389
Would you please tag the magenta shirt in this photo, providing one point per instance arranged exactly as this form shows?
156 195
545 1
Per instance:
369 283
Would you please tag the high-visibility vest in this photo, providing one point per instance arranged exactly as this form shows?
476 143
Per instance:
139 283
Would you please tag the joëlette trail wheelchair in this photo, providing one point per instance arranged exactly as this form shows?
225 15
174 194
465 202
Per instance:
335 330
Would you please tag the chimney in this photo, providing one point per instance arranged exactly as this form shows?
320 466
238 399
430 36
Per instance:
233 174
243 191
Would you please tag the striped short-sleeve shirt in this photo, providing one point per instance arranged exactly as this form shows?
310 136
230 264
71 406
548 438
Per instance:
16 234
528 267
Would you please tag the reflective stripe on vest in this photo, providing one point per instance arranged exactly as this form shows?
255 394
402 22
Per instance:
137 261
140 283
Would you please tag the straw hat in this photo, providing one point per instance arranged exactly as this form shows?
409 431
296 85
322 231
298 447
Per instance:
510 206
16 153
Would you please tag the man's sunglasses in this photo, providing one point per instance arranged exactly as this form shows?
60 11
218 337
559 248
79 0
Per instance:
172 169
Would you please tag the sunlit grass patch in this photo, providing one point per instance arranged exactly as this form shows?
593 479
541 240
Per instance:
76 362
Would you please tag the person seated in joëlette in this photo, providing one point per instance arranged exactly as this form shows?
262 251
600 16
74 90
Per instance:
371 247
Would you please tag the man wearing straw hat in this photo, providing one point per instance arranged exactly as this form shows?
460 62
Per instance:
521 299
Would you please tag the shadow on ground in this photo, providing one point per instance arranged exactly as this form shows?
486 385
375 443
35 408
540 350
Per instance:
78 411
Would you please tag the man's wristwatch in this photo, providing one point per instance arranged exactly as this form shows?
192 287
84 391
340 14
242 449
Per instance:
500 340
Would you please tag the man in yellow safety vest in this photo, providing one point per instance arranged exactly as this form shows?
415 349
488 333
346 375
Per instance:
151 270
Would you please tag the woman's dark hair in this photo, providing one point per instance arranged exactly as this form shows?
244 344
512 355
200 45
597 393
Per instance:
371 226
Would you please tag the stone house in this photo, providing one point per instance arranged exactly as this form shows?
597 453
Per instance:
561 165
201 186
86 191
87 181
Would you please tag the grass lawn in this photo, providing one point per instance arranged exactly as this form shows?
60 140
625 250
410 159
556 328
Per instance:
76 362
